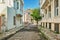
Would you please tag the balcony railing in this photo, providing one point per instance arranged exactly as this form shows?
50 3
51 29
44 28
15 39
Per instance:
19 12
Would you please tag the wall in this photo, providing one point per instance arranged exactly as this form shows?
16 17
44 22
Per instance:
10 19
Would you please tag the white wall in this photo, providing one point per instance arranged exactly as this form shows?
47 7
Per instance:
7 9
10 19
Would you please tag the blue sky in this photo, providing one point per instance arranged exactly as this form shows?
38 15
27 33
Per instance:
31 4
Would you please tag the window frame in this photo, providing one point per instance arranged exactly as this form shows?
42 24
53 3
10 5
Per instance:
17 5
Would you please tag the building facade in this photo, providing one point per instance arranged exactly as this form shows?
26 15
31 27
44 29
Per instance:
11 12
27 15
50 9
28 18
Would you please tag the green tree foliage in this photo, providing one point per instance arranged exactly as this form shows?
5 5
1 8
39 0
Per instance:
36 15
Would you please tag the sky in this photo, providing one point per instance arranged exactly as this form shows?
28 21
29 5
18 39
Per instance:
31 4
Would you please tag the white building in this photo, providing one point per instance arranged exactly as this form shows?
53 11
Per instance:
11 12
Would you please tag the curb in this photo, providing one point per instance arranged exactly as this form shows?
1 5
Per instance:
48 37
10 35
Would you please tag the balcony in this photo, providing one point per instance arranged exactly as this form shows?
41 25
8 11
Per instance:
19 13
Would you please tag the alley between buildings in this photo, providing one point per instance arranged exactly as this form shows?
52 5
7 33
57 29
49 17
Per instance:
28 33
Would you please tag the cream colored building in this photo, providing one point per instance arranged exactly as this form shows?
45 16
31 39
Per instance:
51 14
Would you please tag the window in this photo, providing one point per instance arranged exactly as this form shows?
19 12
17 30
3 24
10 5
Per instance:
14 4
49 11
57 11
56 8
17 5
14 21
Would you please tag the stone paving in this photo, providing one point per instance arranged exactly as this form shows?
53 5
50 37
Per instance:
10 32
28 33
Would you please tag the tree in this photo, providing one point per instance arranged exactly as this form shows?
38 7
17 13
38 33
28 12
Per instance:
36 15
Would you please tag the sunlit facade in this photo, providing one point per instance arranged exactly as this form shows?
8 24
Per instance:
50 9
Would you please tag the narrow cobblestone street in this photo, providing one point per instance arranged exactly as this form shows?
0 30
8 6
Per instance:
28 33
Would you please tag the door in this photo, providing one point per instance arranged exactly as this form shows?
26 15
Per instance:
46 25
14 21
43 24
49 25
57 27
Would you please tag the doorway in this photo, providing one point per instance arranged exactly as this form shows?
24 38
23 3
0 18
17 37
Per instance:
49 25
56 27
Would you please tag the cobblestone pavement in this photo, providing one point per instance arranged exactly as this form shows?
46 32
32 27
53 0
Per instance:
28 33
